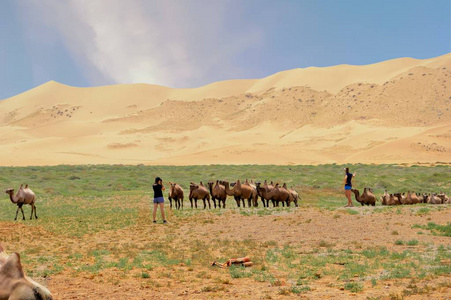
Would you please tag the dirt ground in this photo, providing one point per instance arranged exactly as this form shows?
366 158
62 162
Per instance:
304 229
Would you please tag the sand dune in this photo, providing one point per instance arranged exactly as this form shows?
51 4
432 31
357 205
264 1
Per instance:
396 111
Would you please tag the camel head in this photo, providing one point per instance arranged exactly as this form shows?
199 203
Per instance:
356 192
9 191
14 284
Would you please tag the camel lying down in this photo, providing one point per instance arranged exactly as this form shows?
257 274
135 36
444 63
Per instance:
14 285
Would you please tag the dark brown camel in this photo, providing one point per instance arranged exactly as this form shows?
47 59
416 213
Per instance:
217 191
176 194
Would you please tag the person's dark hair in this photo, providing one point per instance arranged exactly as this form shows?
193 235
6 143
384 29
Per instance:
157 179
347 170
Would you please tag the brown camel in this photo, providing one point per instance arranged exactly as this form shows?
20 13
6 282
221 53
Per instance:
23 196
217 191
176 194
393 200
198 191
262 191
241 192
14 284
412 198
279 195
402 199
367 197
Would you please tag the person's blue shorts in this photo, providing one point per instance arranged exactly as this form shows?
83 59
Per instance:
348 187
158 200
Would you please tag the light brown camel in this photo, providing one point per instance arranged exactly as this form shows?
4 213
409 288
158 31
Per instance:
217 191
433 199
254 192
14 284
385 198
444 197
23 196
294 196
176 194
279 195
367 197
198 191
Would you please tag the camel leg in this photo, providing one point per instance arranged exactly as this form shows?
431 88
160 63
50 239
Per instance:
32 208
195 202
238 202
249 202
223 203
170 203
209 204
214 201
35 211
205 203
23 215
244 202
17 211
296 203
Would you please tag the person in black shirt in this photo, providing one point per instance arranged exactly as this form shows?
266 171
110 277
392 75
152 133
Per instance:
348 186
158 199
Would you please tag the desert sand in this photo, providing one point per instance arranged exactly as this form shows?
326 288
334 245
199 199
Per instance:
396 111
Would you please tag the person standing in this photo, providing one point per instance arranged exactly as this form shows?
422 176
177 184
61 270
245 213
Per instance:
158 199
348 186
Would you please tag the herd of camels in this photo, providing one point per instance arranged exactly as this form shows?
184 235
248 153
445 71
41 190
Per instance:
368 198
246 191
241 192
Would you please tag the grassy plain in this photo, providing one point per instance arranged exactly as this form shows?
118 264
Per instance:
94 236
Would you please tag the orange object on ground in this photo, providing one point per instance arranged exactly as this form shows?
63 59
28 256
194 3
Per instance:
244 261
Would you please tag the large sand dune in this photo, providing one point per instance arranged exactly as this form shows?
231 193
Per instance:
396 111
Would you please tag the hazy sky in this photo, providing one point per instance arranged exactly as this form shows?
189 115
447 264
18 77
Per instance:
192 43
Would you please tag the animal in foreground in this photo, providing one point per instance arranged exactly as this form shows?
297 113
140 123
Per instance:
14 284
176 194
198 191
366 198
23 196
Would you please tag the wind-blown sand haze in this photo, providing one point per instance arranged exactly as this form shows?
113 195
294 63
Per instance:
396 111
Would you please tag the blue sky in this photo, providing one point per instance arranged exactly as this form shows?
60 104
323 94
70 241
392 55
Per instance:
193 43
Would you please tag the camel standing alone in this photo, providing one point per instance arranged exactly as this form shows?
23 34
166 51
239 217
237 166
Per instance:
23 196
176 194
13 282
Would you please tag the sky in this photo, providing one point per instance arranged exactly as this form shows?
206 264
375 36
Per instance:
191 43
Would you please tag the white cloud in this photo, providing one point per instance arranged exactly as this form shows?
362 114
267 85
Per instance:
173 43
